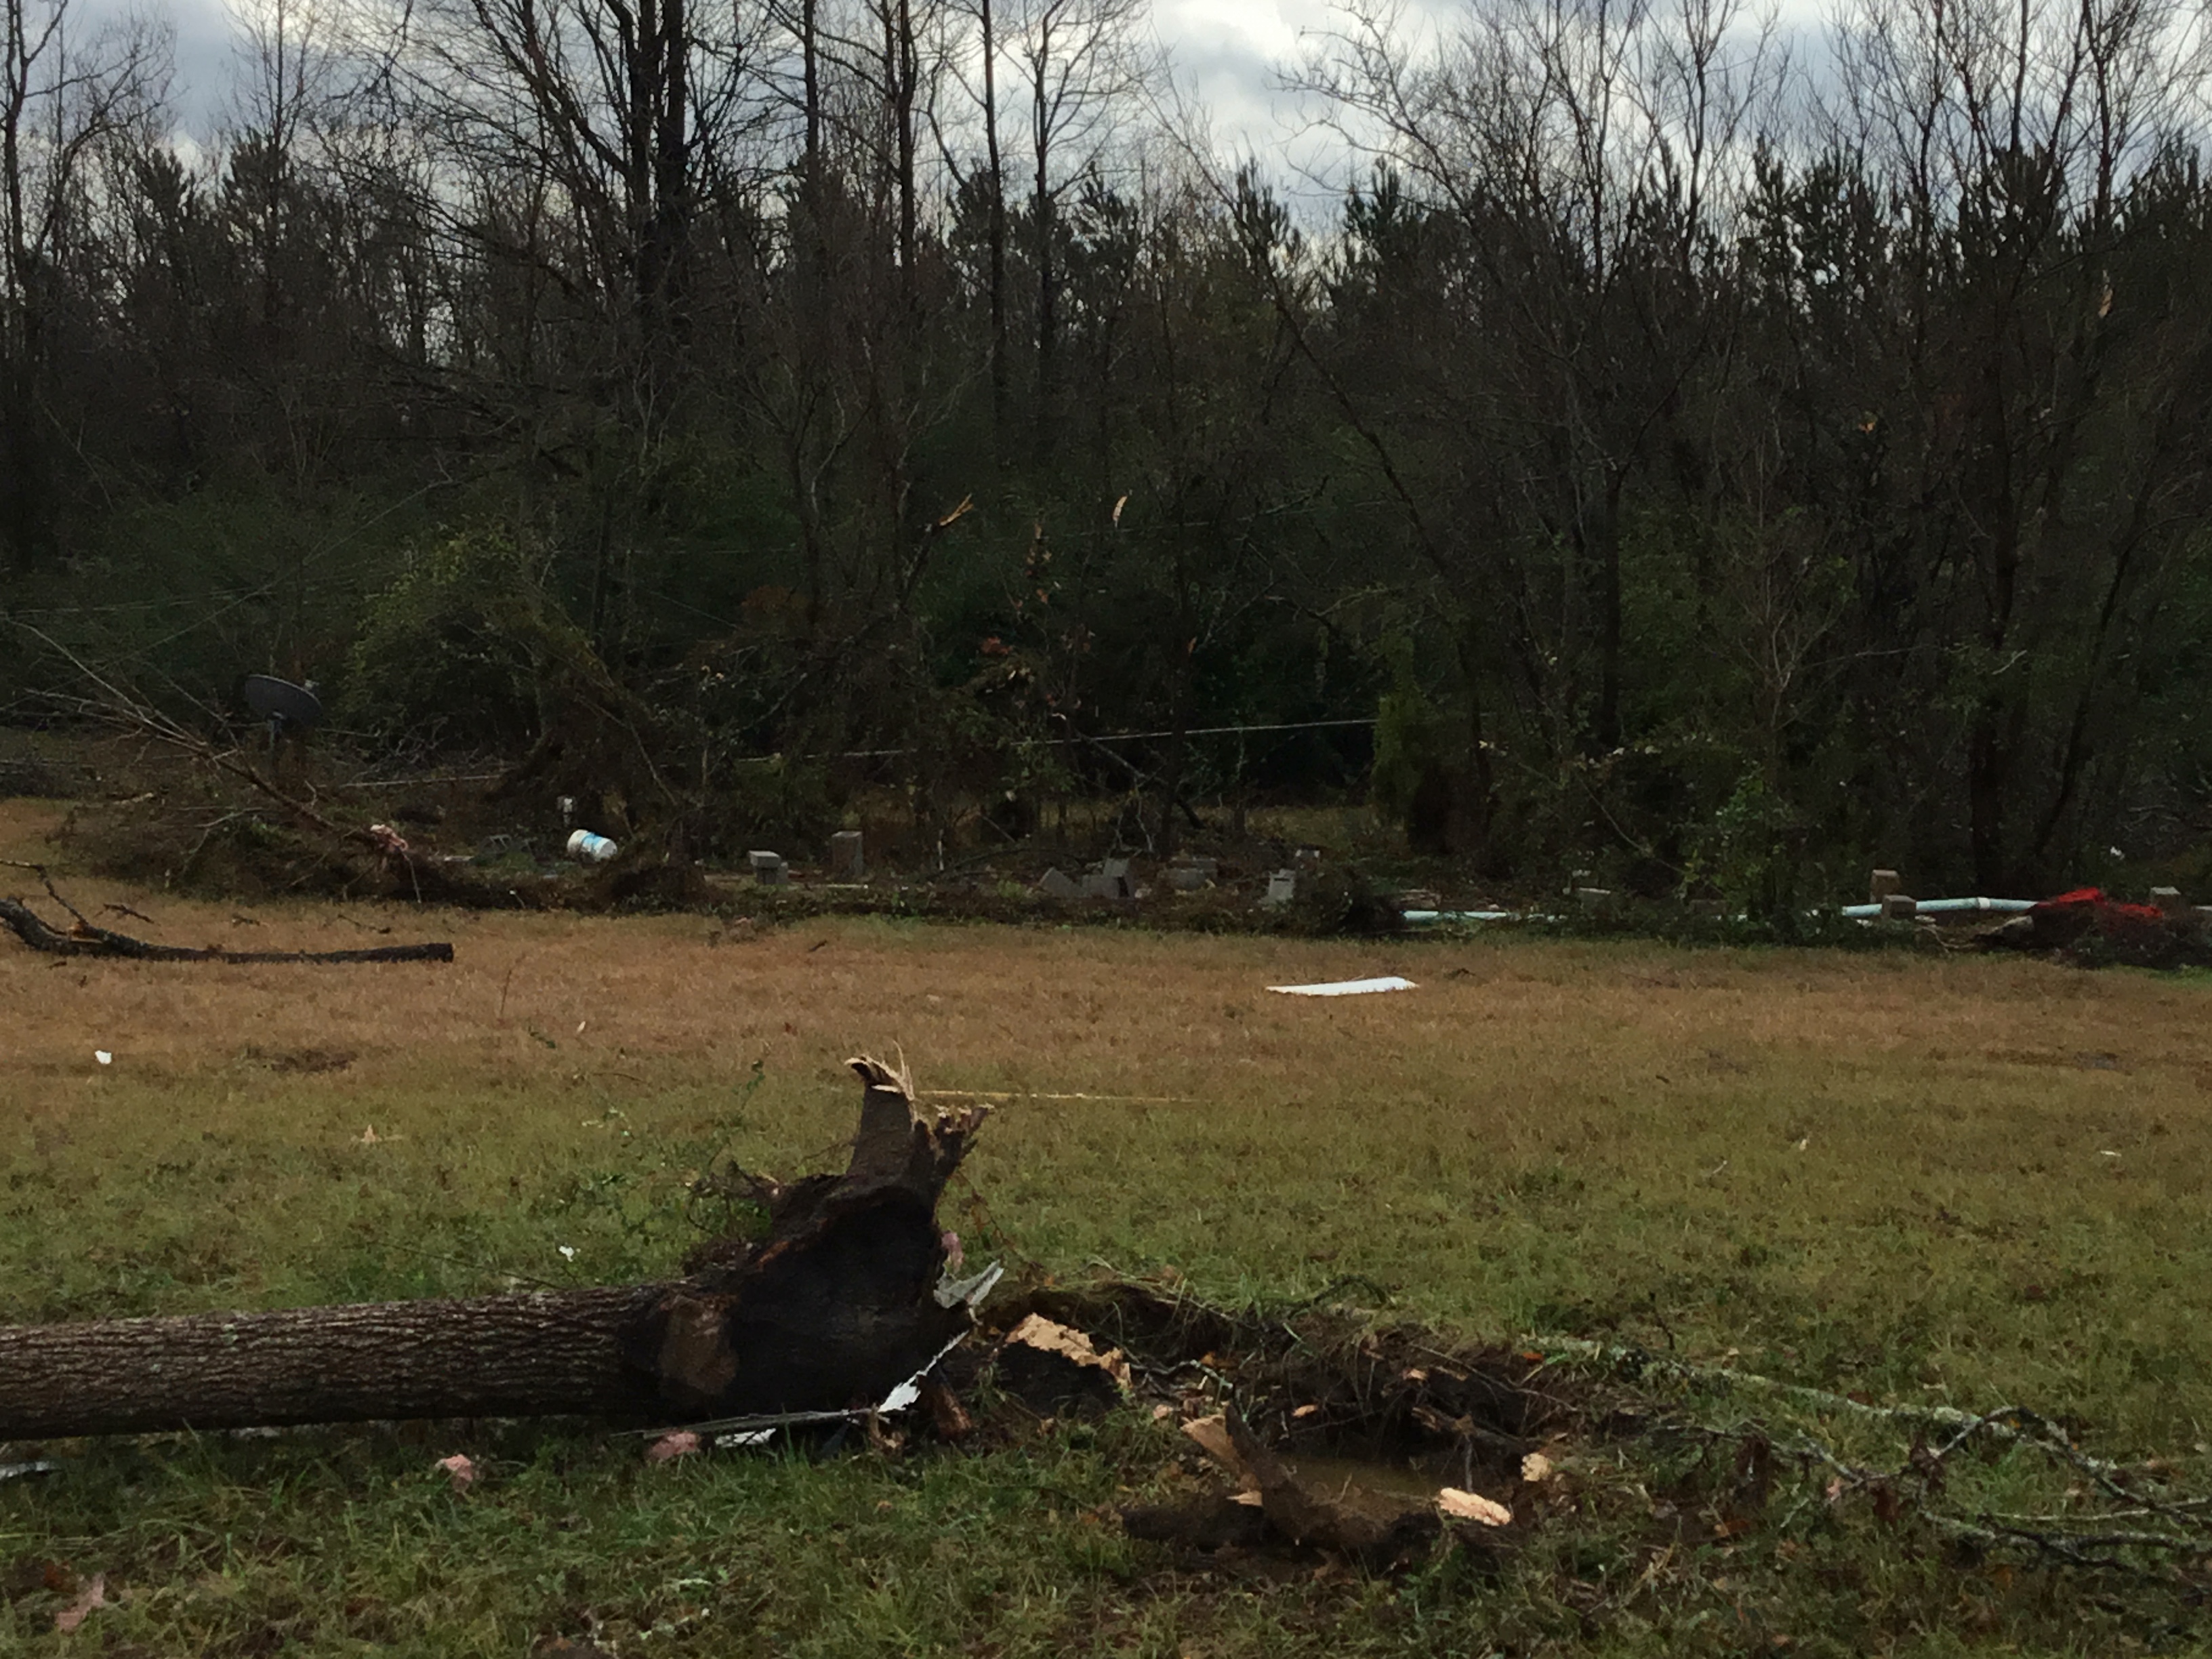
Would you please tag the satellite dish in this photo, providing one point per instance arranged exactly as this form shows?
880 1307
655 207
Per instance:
282 703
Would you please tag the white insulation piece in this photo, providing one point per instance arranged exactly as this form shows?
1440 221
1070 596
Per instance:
1346 987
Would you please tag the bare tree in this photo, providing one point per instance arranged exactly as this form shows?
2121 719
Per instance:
1078 63
58 98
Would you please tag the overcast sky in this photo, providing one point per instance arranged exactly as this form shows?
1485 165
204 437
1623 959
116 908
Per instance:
1224 48
1226 52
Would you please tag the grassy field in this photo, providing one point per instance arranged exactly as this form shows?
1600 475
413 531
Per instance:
1914 1178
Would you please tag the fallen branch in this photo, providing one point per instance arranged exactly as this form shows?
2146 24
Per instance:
834 1310
2015 1424
2088 1539
89 939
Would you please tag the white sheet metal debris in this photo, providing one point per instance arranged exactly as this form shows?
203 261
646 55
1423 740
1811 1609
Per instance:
1347 988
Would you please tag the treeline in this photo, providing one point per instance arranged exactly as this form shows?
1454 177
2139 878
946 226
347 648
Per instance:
1715 458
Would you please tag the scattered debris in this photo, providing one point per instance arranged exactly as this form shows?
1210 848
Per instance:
460 1469
1055 1371
103 1056
1211 1436
1347 988
1110 880
1457 1506
679 1442
93 1595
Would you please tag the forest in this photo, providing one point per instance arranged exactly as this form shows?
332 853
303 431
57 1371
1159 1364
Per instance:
1652 438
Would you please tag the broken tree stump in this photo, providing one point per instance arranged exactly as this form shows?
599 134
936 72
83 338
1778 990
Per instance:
833 1309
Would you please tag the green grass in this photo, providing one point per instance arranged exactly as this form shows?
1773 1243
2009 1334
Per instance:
1886 1176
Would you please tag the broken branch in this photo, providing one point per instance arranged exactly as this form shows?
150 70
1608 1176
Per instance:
89 939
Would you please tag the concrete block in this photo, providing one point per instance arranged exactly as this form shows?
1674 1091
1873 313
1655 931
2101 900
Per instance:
1899 907
1100 883
1282 887
768 868
846 862
1053 885
1882 885
2169 900
1190 872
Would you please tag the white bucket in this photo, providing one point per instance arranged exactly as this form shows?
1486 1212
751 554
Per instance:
586 848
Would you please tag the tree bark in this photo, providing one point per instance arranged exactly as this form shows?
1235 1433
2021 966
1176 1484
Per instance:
503 1356
834 1309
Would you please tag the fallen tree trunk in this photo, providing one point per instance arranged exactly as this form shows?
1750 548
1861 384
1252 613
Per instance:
834 1310
86 940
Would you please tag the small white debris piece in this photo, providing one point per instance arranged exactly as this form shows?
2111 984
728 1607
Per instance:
1347 988
1457 1506
1537 1467
368 1136
567 1252
103 1056
951 1292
